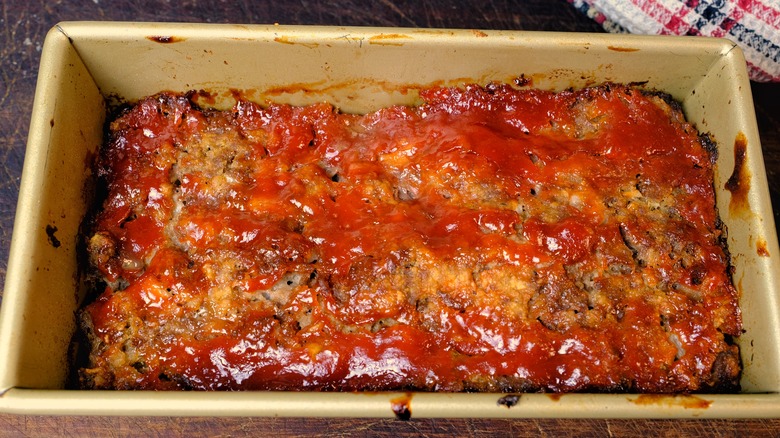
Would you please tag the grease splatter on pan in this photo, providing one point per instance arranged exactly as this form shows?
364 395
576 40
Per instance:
739 181
162 39
50 230
509 400
684 401
402 407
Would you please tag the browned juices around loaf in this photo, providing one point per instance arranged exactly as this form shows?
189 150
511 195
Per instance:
489 239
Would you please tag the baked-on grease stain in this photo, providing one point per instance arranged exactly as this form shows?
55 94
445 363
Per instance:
388 39
402 406
761 248
739 181
555 396
50 230
684 401
622 49
165 39
523 81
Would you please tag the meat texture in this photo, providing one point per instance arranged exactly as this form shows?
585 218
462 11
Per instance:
489 239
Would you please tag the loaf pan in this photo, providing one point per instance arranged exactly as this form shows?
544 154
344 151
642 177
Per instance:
87 67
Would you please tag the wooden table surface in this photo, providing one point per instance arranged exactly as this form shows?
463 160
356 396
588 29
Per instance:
23 25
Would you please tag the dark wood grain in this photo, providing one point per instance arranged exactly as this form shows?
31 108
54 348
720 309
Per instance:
23 26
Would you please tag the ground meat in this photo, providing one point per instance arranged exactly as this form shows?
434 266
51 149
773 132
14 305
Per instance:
490 239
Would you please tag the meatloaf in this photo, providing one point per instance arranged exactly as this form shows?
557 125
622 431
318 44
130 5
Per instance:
491 238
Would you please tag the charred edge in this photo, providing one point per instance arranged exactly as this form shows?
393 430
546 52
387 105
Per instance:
89 192
710 146
117 107
491 87
722 242
114 103
726 371
195 96
95 192
509 400
673 103
79 351
637 84
522 81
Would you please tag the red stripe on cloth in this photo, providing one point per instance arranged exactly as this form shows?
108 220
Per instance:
677 25
728 23
717 32
757 74
736 14
761 11
656 12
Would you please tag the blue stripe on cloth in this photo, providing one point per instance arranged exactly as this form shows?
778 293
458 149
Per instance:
712 13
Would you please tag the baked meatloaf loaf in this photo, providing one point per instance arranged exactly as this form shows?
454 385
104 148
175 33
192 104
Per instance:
489 239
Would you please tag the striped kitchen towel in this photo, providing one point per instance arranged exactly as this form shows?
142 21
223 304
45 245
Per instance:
753 24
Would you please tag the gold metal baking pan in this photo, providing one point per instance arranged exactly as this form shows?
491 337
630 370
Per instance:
87 66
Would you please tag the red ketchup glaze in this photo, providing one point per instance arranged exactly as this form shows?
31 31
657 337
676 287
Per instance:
568 240
481 179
